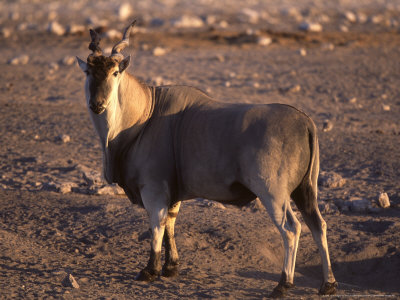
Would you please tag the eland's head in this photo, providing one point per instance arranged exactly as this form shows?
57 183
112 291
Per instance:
103 73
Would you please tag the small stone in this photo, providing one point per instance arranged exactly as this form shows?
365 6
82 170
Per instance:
327 126
331 179
311 27
350 16
386 107
352 100
361 17
69 281
19 60
124 11
249 15
14 15
55 28
5 32
383 200
328 46
113 34
220 58
64 188
344 28
377 19
264 40
188 21
159 51
211 20
68 60
65 138
92 177
227 83
357 204
109 190
53 66
302 52
75 29
295 89
223 24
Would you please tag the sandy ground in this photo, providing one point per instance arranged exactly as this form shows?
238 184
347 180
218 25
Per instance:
347 79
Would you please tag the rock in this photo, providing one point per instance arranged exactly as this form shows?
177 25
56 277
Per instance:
343 28
220 58
302 52
5 32
330 179
311 27
327 208
383 200
92 177
19 60
109 190
223 24
159 51
357 204
386 107
124 11
53 66
291 89
327 126
352 100
69 281
112 34
227 84
55 28
68 60
377 19
350 16
63 188
264 40
249 15
361 17
14 15
328 46
188 21
65 138
75 29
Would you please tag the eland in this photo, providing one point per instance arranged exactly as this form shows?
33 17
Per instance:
167 144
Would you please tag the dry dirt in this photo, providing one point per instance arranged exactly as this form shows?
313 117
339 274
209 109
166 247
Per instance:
226 252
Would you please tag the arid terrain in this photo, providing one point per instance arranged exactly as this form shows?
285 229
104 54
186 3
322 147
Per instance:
57 217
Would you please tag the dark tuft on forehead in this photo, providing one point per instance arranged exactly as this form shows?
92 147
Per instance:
100 65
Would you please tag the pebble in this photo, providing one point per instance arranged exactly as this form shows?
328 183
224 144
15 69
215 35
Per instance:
377 19
352 100
5 32
19 60
220 58
124 11
112 34
302 52
357 204
53 66
264 40
328 46
65 138
68 60
311 27
361 17
386 107
188 21
343 28
109 190
249 15
55 28
75 29
331 179
350 16
327 126
159 51
227 83
92 177
383 200
69 281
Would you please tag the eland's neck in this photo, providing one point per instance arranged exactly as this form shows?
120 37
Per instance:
125 116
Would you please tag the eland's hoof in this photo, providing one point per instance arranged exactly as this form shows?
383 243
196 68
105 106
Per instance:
328 288
170 271
145 275
280 290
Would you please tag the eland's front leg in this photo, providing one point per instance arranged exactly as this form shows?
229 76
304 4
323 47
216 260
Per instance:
170 268
155 205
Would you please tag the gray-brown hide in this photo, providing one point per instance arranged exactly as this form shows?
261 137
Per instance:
172 143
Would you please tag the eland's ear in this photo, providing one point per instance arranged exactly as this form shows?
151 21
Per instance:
124 63
82 64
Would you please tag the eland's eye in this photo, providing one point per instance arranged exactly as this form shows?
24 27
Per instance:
115 73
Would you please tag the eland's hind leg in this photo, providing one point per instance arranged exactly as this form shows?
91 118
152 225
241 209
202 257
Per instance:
170 267
279 209
308 207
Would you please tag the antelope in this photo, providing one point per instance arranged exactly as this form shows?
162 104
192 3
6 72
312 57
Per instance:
166 144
